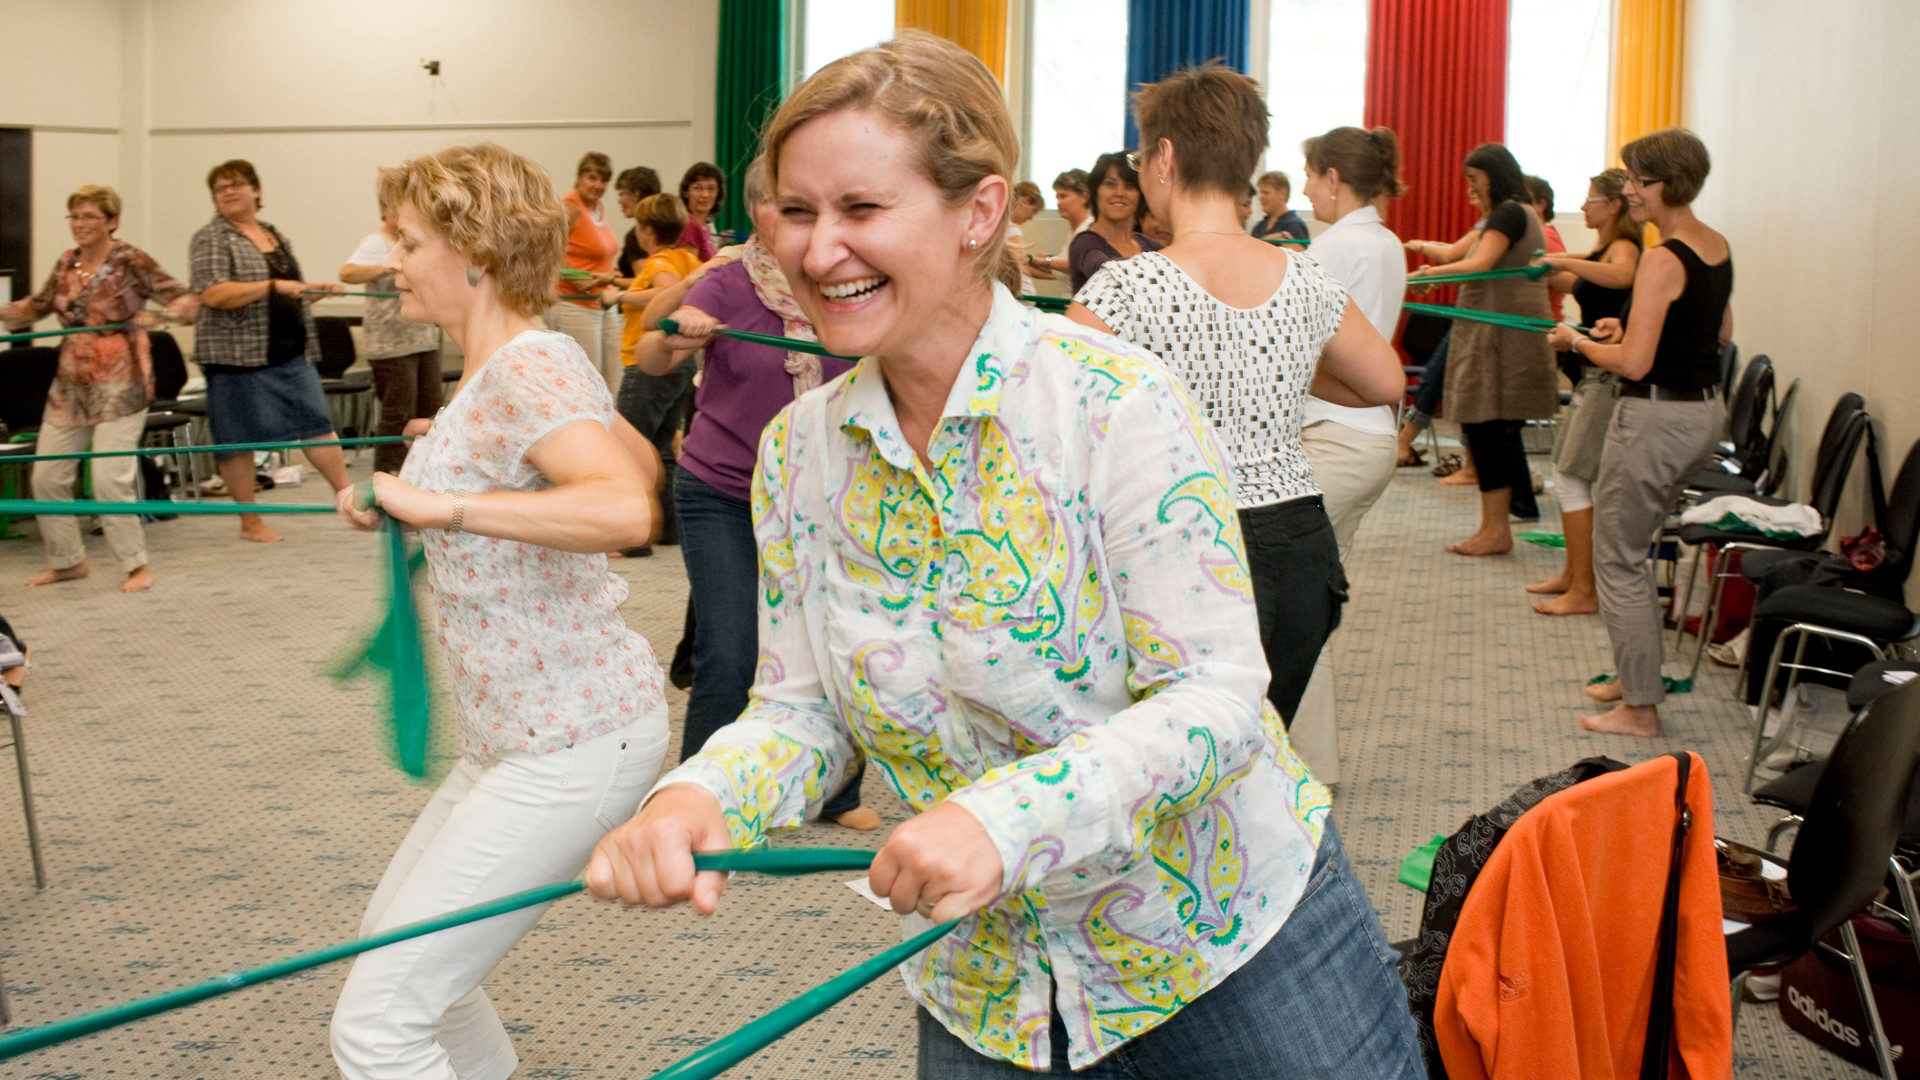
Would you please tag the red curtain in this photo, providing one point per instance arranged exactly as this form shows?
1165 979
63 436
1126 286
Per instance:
1437 75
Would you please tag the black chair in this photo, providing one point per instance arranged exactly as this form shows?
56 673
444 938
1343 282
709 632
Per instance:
1729 367
168 415
1744 453
1863 616
1840 856
1847 428
349 393
26 374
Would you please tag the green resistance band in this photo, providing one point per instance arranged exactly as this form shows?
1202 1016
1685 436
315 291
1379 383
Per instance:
1286 240
709 1062
217 448
1055 304
63 332
397 648
322 294
1531 273
1493 318
789 344
150 507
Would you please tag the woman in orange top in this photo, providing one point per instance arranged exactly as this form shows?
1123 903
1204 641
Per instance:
585 309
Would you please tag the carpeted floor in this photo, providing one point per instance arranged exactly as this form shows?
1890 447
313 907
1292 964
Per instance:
211 801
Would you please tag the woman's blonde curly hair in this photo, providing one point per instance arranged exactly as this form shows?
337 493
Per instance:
496 208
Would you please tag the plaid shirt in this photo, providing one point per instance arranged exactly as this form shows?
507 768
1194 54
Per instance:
236 337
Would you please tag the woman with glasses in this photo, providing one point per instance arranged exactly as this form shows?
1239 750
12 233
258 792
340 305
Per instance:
104 383
1669 415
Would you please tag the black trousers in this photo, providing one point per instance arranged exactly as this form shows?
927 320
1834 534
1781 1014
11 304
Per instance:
1501 460
1298 589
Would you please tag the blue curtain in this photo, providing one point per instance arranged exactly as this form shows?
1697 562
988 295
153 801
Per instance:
1164 36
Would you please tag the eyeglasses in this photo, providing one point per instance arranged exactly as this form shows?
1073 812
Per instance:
1596 199
222 189
1133 161
1645 182
86 217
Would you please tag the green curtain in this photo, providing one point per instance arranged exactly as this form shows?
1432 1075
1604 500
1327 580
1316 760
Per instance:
747 88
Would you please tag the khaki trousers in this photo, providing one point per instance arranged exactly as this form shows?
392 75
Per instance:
114 480
1352 469
1653 449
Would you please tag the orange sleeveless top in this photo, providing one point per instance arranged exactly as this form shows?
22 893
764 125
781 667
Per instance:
591 246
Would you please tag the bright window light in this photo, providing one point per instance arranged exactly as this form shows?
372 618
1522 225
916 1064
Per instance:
1078 97
1558 52
1316 78
833 28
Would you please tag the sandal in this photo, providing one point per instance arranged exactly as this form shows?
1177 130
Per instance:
1448 465
1411 459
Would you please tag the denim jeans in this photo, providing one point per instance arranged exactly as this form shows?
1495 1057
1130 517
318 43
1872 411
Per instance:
658 407
716 540
1298 589
1433 384
1322 999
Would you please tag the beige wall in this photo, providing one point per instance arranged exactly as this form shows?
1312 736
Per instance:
1814 125
319 96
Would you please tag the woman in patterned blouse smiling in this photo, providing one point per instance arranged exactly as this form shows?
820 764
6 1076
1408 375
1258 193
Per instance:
1000 559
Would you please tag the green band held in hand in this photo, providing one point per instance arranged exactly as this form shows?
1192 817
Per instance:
668 325
30 335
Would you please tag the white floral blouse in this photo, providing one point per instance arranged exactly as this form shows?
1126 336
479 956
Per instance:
1053 627
539 655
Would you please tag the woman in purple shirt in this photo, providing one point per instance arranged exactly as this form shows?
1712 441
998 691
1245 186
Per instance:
742 387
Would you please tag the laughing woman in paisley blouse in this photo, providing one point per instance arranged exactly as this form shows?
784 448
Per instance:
999 559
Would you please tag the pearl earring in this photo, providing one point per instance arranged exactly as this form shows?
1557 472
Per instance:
973 244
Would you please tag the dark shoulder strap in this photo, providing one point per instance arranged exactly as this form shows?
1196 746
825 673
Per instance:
1659 1044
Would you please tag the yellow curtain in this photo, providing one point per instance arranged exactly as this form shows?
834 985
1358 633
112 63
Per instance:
1649 43
978 26
1648 46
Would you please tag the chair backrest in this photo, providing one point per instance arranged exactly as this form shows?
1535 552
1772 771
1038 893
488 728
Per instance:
1729 368
1773 453
1839 445
26 373
1839 858
169 366
337 353
1747 416
1902 522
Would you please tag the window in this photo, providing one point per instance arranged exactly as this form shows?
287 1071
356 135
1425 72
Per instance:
1077 98
1558 59
830 29
1316 78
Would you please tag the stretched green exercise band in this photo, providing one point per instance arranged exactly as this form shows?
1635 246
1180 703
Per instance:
398 649
1493 318
789 344
367 292
1286 240
151 507
1531 273
63 332
216 448
746 1041
1055 304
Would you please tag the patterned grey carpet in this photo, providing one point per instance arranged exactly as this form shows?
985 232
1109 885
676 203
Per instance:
211 801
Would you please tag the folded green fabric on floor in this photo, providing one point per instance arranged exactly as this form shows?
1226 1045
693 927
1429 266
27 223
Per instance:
1416 870
1543 538
1667 682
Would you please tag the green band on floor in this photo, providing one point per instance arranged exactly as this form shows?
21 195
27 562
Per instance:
1543 538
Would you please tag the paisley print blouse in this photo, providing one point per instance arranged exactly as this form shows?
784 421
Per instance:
1053 627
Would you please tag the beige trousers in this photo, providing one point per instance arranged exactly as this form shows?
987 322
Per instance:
1352 469
114 480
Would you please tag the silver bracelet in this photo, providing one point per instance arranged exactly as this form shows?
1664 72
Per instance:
459 510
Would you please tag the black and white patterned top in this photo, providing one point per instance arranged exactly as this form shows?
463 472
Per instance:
1248 367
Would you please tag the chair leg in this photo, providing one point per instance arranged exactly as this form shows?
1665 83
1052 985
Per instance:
1791 821
1903 889
1686 599
1739 990
26 803
1863 984
1766 696
1710 618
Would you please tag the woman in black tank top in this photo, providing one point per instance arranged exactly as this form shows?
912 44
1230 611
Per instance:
1600 284
1669 415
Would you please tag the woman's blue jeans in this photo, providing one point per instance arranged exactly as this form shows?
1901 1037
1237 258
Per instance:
716 540
1322 999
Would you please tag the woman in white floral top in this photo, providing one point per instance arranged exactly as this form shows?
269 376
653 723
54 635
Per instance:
518 486
999 558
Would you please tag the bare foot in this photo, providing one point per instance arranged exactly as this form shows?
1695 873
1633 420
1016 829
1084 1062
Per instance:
1569 604
1464 476
859 819
1640 720
47 577
1477 545
252 528
1603 691
139 581
1552 585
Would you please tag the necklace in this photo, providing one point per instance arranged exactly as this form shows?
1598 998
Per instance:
1210 232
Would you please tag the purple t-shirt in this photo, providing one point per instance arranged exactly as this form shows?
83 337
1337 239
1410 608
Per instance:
742 386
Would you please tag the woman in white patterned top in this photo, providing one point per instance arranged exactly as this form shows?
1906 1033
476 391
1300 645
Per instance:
517 486
1245 323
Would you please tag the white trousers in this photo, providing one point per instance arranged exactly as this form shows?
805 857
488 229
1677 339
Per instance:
415 1010
597 331
114 480
1352 469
